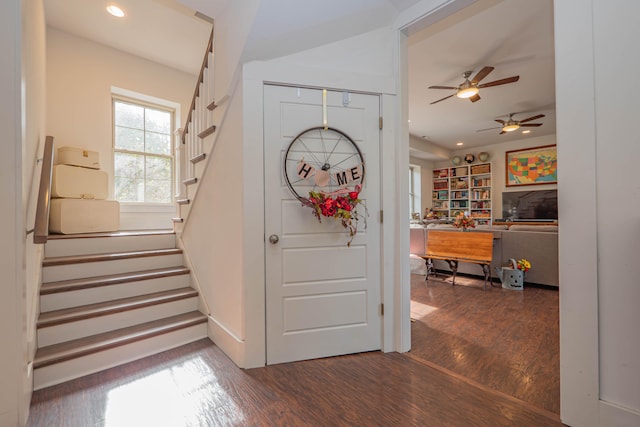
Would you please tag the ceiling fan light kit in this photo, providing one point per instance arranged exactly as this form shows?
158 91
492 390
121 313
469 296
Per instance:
512 124
469 89
467 92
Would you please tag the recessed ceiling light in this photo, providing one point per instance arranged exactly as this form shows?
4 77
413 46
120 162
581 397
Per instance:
115 11
459 143
526 131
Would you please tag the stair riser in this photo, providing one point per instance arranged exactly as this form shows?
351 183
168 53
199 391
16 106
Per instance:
84 328
75 368
91 269
103 245
80 297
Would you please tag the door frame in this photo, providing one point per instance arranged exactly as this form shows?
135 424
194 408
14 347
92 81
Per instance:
394 233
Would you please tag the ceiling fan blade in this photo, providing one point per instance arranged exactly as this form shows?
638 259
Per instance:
539 116
481 75
502 122
443 87
446 97
500 82
475 98
481 130
531 125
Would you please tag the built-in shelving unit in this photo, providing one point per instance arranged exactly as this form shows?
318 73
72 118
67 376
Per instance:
463 189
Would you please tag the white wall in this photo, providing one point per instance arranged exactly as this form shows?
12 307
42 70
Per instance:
498 174
213 234
80 75
599 211
12 224
22 122
34 135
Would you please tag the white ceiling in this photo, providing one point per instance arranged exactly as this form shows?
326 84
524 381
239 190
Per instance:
514 36
163 31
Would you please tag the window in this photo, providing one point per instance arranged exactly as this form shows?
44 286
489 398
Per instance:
143 152
414 191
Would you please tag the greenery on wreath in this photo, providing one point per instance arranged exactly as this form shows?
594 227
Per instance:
340 205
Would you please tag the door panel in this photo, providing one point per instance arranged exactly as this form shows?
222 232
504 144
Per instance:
322 297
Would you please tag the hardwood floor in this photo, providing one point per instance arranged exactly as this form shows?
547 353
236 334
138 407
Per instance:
503 339
478 359
197 385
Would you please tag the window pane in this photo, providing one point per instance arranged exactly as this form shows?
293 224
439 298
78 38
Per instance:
129 139
129 115
158 168
158 179
158 143
158 191
129 177
158 121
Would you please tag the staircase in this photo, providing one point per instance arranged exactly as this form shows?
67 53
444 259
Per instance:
110 298
198 136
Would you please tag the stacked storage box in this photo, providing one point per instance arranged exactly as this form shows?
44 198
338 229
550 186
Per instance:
78 195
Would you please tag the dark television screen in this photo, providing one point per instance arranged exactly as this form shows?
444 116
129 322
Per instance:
527 205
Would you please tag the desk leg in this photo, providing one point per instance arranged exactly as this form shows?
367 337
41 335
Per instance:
430 268
453 265
486 271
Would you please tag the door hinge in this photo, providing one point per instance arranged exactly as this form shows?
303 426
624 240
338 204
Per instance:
380 123
381 216
381 309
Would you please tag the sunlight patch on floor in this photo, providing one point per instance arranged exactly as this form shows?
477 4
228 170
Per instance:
178 396
419 310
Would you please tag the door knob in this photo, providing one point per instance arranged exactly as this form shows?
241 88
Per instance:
274 239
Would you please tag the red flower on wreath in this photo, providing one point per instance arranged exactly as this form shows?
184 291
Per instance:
341 204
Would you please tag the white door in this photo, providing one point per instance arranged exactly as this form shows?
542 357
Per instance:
323 297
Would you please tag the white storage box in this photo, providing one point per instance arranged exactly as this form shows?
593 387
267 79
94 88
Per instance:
78 157
72 216
79 183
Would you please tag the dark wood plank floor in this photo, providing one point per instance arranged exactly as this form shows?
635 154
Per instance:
476 357
197 385
504 339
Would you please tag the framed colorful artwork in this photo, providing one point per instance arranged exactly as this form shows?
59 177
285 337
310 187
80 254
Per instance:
532 166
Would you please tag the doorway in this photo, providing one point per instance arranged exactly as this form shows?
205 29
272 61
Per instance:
457 316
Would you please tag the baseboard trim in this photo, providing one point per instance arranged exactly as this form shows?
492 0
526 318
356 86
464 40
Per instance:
231 345
616 415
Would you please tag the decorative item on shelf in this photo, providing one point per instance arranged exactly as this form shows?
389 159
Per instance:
483 156
469 158
456 160
429 214
341 204
464 222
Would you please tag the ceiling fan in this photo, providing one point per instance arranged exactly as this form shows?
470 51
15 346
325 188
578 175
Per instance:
470 88
511 124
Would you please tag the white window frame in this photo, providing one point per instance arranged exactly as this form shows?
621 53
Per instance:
415 198
135 98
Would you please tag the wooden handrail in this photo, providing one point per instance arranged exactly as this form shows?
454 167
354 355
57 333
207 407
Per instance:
205 62
41 227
